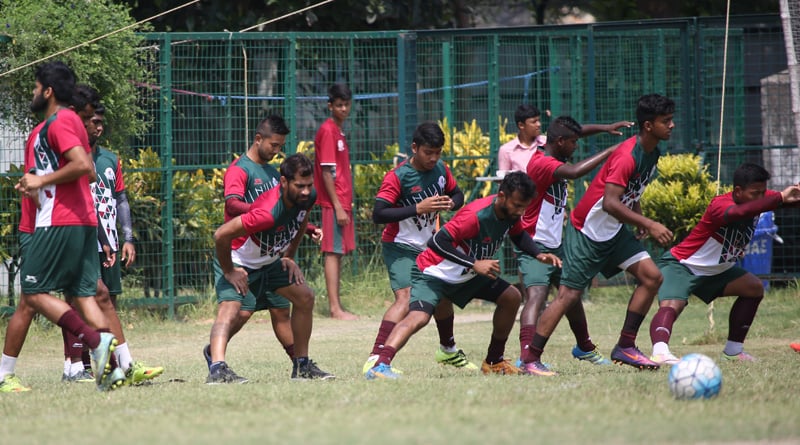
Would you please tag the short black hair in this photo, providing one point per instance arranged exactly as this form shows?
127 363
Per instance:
58 76
650 106
84 95
525 112
297 163
563 127
272 124
339 91
518 182
749 173
100 109
428 133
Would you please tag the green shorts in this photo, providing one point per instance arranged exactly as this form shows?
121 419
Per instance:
399 259
61 258
680 282
111 276
584 258
536 273
427 291
261 284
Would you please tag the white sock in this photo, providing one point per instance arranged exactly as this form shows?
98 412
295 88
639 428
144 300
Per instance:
75 368
449 349
660 348
123 356
67 366
733 348
7 365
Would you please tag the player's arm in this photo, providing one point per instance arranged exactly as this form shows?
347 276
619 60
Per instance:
581 168
235 206
78 164
442 244
503 160
789 197
223 237
288 263
330 187
591 129
457 197
525 243
612 204
126 223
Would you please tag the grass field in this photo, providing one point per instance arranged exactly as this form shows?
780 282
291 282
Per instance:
759 403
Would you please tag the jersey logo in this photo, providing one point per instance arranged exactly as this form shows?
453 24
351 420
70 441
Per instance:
340 145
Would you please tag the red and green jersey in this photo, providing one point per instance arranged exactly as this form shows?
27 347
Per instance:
70 203
331 150
476 231
716 243
271 226
106 190
246 180
405 186
544 218
628 166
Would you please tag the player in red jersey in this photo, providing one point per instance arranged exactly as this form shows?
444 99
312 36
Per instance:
704 263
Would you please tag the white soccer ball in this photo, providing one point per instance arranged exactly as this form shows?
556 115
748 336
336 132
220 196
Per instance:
695 376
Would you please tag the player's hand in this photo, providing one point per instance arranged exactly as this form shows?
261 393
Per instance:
791 194
295 274
433 204
238 279
487 268
549 258
28 184
128 253
660 234
317 236
614 128
342 218
111 257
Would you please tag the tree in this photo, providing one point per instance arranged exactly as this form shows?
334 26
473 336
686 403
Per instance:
40 28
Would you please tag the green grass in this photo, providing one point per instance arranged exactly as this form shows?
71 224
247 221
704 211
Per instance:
431 404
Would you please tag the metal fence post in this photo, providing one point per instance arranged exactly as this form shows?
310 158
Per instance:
167 244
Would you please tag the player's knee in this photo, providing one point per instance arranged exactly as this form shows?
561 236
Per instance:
304 300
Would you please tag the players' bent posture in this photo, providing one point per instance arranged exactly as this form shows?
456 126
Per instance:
408 202
62 252
458 265
704 263
245 180
335 189
544 222
254 254
598 241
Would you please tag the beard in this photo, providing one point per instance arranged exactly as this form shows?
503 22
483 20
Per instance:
39 103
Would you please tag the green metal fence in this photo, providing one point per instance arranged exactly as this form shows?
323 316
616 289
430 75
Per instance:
212 89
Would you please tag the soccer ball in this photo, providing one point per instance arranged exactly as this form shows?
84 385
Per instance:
695 376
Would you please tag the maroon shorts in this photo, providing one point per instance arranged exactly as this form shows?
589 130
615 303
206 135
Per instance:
336 238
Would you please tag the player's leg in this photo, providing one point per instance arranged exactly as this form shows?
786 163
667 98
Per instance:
536 279
585 349
218 371
74 369
282 326
508 299
749 291
648 278
448 353
16 332
673 296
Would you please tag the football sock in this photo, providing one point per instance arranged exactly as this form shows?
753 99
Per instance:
72 322
741 317
383 333
661 326
386 355
87 359
448 349
7 365
497 347
73 346
627 338
75 368
733 347
67 367
445 329
123 355
537 348
660 348
526 333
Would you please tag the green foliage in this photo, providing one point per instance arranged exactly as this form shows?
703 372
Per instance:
680 194
41 28
9 221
